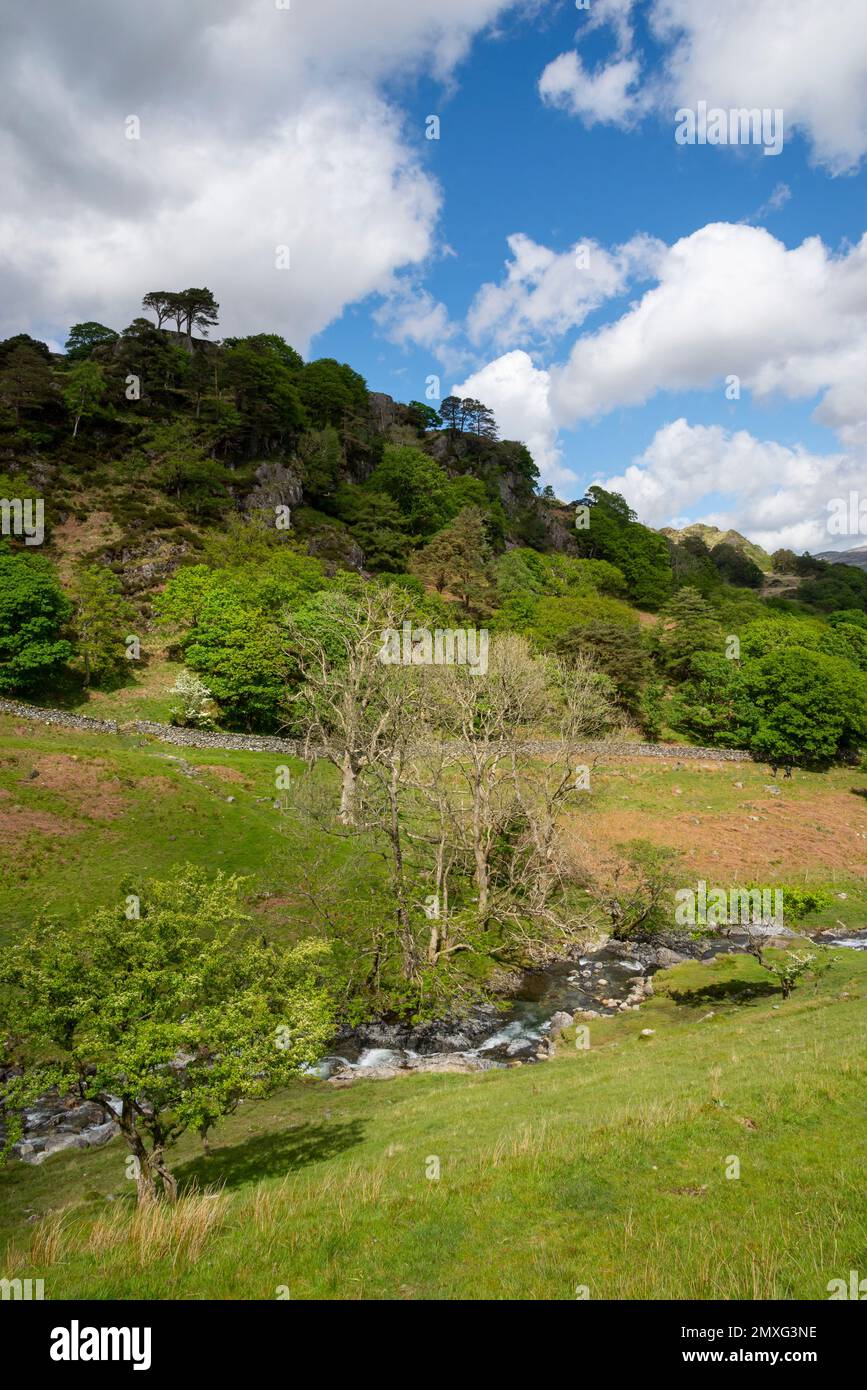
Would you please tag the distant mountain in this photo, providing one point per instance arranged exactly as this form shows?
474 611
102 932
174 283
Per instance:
857 556
713 536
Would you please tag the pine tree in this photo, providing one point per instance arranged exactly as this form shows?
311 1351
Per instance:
457 559
688 625
101 621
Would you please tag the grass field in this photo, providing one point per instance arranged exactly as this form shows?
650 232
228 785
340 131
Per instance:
603 1168
80 815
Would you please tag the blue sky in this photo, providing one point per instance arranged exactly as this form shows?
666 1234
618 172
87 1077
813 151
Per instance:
306 127
509 162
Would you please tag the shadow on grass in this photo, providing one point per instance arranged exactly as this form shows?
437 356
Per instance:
269 1155
732 991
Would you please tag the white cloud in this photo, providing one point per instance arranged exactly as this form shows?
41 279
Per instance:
733 300
605 95
729 300
546 293
808 59
778 496
259 127
411 317
517 392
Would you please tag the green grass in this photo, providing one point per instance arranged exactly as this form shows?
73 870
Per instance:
118 809
163 817
604 1168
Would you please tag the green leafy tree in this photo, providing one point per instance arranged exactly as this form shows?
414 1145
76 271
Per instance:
321 458
708 706
617 650
423 417
803 707
783 561
464 415
691 563
145 352
845 640
171 1008
184 467
631 885
829 587
101 620
33 611
273 344
84 337
735 567
377 524
555 615
230 629
418 485
332 393
83 391
642 555
200 310
26 383
266 394
851 616
652 709
161 303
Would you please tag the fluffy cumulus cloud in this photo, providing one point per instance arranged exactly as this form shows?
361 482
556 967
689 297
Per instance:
777 495
545 293
410 317
517 392
260 127
605 95
732 300
808 59
728 301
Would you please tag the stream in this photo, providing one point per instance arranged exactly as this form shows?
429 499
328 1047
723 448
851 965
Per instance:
603 981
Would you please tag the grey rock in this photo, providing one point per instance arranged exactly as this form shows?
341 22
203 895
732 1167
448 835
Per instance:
666 957
559 1021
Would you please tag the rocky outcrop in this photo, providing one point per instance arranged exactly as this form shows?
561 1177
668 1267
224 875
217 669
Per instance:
276 486
146 564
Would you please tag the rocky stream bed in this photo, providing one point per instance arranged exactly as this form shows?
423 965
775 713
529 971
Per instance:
611 978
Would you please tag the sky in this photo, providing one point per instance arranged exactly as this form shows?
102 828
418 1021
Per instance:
508 199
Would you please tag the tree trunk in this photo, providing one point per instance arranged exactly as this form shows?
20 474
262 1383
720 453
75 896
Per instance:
166 1176
404 924
348 790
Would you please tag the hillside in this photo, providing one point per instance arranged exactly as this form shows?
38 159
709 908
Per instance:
712 536
81 813
856 556
192 491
